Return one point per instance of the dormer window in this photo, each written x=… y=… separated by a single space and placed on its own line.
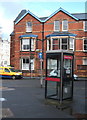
x=28 y=26
x=64 y=25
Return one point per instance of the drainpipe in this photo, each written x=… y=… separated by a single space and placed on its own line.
x=43 y=44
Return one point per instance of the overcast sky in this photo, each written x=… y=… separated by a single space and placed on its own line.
x=10 y=9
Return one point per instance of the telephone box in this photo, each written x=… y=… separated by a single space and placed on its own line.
x=59 y=75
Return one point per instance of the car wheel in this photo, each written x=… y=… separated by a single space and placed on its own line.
x=13 y=77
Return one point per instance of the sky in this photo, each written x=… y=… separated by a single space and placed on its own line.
x=9 y=10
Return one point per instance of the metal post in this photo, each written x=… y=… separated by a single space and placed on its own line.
x=30 y=58
x=61 y=85
x=41 y=80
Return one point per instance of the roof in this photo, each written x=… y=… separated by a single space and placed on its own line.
x=76 y=16
x=20 y=15
x=61 y=34
x=81 y=16
x=12 y=33
x=23 y=14
x=28 y=35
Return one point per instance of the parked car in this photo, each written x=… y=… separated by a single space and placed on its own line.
x=9 y=72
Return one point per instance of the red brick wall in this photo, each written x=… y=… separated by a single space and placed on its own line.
x=74 y=26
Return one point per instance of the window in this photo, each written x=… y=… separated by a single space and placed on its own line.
x=64 y=43
x=56 y=25
x=49 y=44
x=85 y=44
x=71 y=43
x=25 y=44
x=60 y=43
x=28 y=27
x=27 y=64
x=85 y=62
x=6 y=70
x=55 y=44
x=85 y=25
x=32 y=44
x=32 y=64
x=65 y=25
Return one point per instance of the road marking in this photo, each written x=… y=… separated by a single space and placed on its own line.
x=2 y=99
x=6 y=89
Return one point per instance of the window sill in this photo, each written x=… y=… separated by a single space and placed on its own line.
x=28 y=51
x=84 y=50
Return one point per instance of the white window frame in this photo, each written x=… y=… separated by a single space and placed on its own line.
x=28 y=26
x=27 y=43
x=32 y=64
x=84 y=61
x=85 y=25
x=71 y=43
x=27 y=64
x=56 y=25
x=55 y=44
x=65 y=24
x=63 y=43
x=84 y=44
x=32 y=44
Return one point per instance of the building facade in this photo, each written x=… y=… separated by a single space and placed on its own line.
x=4 y=52
x=33 y=35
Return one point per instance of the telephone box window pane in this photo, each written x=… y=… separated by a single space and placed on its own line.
x=53 y=68
x=68 y=67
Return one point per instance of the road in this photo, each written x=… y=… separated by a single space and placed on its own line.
x=25 y=99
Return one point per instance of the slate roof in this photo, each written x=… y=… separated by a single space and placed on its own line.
x=61 y=34
x=20 y=15
x=81 y=16
x=28 y=35
x=77 y=16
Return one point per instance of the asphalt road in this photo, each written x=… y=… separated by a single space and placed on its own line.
x=25 y=99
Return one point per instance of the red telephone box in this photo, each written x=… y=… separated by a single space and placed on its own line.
x=59 y=75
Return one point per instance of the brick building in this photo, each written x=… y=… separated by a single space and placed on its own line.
x=61 y=30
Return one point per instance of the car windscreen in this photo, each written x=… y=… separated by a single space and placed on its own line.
x=12 y=69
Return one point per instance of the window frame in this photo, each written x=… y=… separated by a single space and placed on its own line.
x=64 y=25
x=28 y=43
x=85 y=61
x=84 y=25
x=62 y=44
x=56 y=25
x=71 y=44
x=84 y=44
x=22 y=66
x=28 y=26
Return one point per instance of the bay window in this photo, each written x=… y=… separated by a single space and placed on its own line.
x=25 y=45
x=28 y=44
x=65 y=43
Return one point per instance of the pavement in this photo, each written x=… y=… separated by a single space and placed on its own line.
x=25 y=99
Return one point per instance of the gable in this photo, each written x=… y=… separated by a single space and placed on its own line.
x=24 y=13
x=62 y=10
x=27 y=12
